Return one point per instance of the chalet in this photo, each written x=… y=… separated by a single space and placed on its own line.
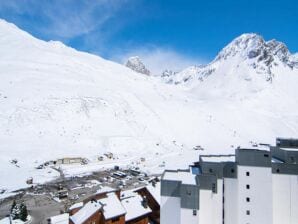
x=105 y=210
x=101 y=193
x=75 y=208
x=89 y=213
x=108 y=205
x=152 y=195
x=59 y=219
x=136 y=206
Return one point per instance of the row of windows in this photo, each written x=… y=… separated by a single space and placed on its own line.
x=247 y=187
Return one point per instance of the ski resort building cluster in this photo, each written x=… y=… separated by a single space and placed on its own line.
x=252 y=186
x=137 y=206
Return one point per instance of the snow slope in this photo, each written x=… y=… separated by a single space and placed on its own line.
x=56 y=102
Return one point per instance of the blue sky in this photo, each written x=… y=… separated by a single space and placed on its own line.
x=165 y=33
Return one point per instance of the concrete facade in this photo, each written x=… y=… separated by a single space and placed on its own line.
x=252 y=186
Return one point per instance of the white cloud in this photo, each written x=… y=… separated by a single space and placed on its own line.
x=159 y=59
x=65 y=18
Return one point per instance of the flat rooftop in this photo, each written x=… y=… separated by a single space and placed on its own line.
x=289 y=149
x=186 y=177
x=218 y=158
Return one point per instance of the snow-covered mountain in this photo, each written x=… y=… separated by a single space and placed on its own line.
x=135 y=64
x=56 y=101
x=295 y=57
x=248 y=51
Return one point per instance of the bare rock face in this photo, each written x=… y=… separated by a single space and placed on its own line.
x=249 y=46
x=135 y=64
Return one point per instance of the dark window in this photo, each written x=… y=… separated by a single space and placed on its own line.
x=194 y=212
x=188 y=193
x=277 y=171
x=232 y=170
x=213 y=187
x=247 y=212
x=210 y=170
x=247 y=173
x=247 y=199
x=247 y=186
x=266 y=155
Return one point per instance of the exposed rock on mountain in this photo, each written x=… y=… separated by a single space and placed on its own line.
x=135 y=64
x=248 y=50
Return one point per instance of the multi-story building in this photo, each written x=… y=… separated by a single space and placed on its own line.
x=253 y=186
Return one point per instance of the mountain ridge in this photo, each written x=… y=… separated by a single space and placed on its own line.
x=262 y=56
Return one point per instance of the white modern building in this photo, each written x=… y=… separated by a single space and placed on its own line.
x=251 y=187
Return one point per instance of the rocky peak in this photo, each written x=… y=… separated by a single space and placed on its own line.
x=168 y=73
x=248 y=52
x=135 y=64
x=249 y=46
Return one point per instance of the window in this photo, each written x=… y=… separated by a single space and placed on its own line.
x=232 y=170
x=247 y=199
x=210 y=170
x=194 y=212
x=247 y=173
x=213 y=187
x=247 y=186
x=277 y=170
x=266 y=155
x=188 y=192
x=247 y=212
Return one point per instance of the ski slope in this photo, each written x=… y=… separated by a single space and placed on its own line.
x=58 y=102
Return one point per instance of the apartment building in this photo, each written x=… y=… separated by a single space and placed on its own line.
x=250 y=187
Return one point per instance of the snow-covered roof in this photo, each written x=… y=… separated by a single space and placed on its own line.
x=218 y=158
x=5 y=221
x=134 y=208
x=112 y=206
x=289 y=149
x=85 y=212
x=60 y=219
x=155 y=191
x=105 y=189
x=76 y=205
x=17 y=221
x=186 y=177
